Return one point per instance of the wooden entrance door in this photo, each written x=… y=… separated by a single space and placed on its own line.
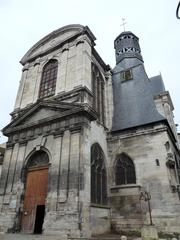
x=35 y=194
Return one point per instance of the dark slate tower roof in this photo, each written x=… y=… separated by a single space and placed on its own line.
x=132 y=89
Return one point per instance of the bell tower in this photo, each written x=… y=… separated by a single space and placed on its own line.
x=131 y=88
x=127 y=46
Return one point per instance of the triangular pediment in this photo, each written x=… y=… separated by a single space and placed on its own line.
x=43 y=112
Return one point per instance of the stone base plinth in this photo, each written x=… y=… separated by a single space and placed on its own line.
x=149 y=233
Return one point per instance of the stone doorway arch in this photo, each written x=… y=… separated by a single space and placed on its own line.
x=36 y=185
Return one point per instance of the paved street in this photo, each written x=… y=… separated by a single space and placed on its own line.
x=28 y=237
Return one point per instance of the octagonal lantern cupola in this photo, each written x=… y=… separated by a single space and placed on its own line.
x=127 y=46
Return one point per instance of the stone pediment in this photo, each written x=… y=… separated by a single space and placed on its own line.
x=42 y=112
x=46 y=111
x=56 y=38
x=40 y=115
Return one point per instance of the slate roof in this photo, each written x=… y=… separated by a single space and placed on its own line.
x=157 y=85
x=133 y=99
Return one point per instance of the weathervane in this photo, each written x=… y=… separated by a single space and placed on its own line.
x=124 y=23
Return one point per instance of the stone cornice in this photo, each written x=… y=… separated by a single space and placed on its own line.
x=62 y=96
x=153 y=128
x=74 y=124
x=75 y=91
x=138 y=131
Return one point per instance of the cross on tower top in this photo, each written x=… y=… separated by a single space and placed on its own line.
x=124 y=23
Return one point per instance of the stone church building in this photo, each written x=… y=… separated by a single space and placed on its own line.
x=88 y=144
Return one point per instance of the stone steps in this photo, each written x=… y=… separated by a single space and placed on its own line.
x=126 y=224
x=56 y=237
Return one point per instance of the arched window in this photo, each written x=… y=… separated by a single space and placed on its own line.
x=124 y=170
x=48 y=80
x=98 y=176
x=98 y=92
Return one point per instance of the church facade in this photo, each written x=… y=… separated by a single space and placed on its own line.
x=89 y=146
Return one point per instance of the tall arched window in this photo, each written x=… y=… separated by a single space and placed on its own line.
x=48 y=80
x=124 y=170
x=98 y=176
x=98 y=92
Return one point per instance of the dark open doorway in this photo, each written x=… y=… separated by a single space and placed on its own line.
x=40 y=211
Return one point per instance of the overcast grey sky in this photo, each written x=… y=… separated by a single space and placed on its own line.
x=23 y=23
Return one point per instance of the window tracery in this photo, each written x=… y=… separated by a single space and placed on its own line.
x=98 y=176
x=124 y=170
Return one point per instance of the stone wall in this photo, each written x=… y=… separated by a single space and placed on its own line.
x=165 y=107
x=144 y=146
x=63 y=184
x=74 y=69
x=100 y=220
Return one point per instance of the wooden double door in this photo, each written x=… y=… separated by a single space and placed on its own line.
x=34 y=201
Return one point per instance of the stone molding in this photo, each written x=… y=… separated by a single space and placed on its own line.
x=70 y=116
x=144 y=130
x=78 y=95
x=125 y=190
